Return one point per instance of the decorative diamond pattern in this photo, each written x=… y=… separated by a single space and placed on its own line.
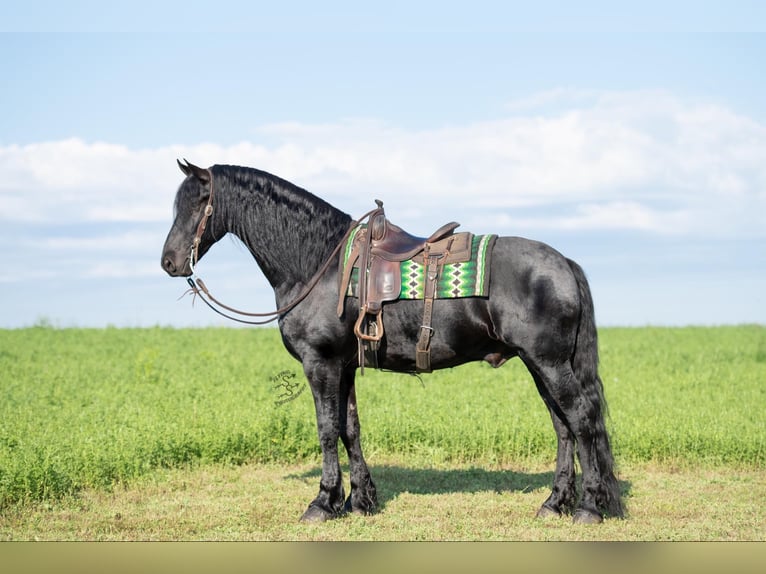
x=464 y=279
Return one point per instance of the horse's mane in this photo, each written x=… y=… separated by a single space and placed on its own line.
x=280 y=222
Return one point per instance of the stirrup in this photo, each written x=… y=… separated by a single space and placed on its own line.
x=378 y=326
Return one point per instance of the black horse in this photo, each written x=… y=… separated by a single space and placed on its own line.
x=539 y=309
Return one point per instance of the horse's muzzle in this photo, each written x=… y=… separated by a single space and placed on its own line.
x=176 y=265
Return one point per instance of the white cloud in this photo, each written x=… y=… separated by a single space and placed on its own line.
x=71 y=180
x=635 y=160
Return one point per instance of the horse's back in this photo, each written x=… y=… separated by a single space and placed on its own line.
x=529 y=266
x=533 y=301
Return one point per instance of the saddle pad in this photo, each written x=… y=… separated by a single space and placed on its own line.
x=464 y=279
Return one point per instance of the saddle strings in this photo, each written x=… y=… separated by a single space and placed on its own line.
x=198 y=287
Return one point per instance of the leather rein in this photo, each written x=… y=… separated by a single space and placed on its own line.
x=198 y=287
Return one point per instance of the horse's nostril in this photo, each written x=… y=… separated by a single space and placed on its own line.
x=168 y=265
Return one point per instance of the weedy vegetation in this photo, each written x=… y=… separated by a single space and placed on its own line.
x=88 y=414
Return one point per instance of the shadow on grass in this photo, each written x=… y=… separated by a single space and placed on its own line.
x=391 y=481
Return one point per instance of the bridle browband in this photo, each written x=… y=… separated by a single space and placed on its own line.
x=198 y=287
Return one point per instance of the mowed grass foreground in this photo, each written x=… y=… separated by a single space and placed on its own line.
x=86 y=410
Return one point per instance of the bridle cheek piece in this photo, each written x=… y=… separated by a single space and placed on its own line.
x=194 y=253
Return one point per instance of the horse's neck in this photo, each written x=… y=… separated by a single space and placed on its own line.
x=290 y=240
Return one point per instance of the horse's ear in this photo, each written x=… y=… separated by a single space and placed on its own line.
x=190 y=169
x=184 y=167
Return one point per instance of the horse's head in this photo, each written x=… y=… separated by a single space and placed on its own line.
x=192 y=200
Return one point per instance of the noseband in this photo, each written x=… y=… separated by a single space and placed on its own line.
x=198 y=287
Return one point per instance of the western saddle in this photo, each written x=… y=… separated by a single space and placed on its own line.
x=378 y=251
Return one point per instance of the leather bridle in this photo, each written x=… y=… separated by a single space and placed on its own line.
x=198 y=287
x=194 y=254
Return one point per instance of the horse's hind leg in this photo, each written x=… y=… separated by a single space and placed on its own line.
x=578 y=408
x=563 y=494
x=363 y=498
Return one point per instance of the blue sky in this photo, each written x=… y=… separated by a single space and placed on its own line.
x=632 y=140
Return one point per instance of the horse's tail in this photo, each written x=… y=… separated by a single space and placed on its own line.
x=585 y=367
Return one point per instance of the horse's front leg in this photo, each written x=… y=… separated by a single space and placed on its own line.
x=325 y=380
x=363 y=498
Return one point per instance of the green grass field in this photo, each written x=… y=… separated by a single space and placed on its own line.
x=96 y=408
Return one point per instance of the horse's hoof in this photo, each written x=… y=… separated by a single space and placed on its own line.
x=582 y=516
x=546 y=512
x=316 y=514
x=348 y=508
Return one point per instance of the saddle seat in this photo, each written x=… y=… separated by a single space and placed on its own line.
x=398 y=245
